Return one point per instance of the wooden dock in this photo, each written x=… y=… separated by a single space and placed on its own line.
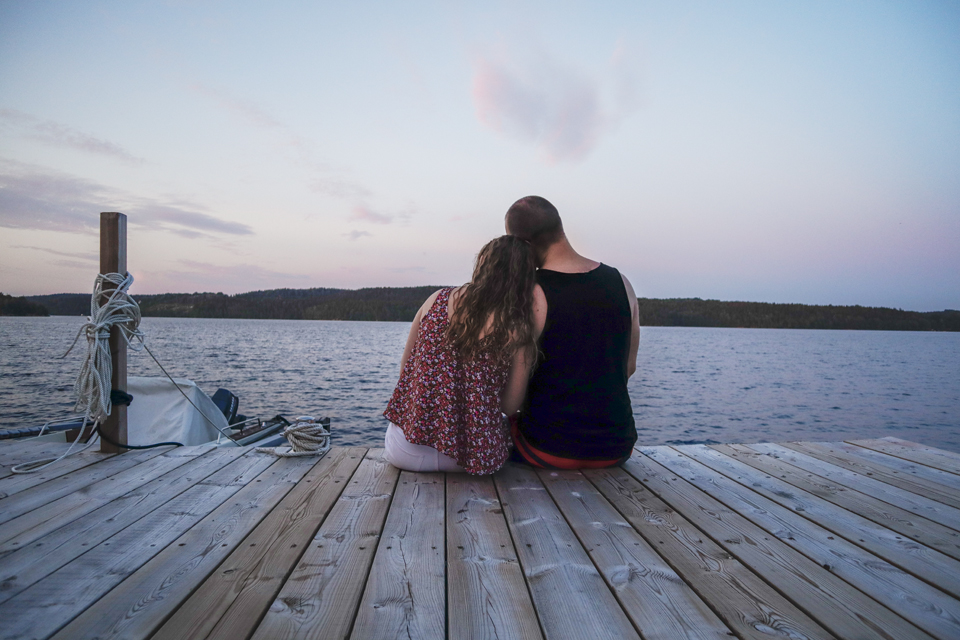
x=798 y=540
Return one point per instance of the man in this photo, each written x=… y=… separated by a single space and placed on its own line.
x=577 y=412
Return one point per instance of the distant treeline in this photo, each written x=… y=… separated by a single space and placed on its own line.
x=11 y=306
x=401 y=304
x=380 y=303
x=694 y=312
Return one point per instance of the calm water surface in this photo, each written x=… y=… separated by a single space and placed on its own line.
x=692 y=385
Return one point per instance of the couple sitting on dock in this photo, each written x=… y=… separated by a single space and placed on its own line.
x=540 y=334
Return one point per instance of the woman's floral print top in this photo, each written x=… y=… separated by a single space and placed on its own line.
x=451 y=405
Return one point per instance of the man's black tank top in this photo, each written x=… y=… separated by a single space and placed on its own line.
x=577 y=405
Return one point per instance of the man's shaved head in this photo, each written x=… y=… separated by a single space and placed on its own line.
x=535 y=220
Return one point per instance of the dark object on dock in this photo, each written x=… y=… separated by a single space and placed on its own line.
x=804 y=540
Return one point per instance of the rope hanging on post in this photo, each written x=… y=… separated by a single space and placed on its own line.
x=92 y=387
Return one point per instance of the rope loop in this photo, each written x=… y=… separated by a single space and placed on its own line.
x=307 y=437
x=92 y=387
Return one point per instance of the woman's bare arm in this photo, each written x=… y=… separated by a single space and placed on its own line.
x=415 y=328
x=511 y=399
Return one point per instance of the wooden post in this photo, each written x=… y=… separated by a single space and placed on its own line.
x=113 y=259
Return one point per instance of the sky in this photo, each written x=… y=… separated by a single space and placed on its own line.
x=758 y=150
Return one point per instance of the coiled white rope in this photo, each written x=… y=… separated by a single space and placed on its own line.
x=92 y=387
x=93 y=384
x=306 y=437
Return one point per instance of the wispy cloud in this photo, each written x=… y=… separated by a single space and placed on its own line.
x=356 y=235
x=36 y=198
x=76 y=255
x=191 y=275
x=325 y=177
x=61 y=135
x=541 y=100
x=247 y=110
x=365 y=213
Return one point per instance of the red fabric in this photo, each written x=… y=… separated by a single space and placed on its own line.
x=544 y=460
x=451 y=405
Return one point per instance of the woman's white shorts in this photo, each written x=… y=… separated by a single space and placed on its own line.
x=414 y=457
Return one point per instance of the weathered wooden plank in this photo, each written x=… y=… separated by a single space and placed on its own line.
x=927 y=532
x=923 y=562
x=660 y=604
x=33 y=492
x=920 y=603
x=742 y=600
x=138 y=605
x=11 y=484
x=900 y=465
x=12 y=454
x=233 y=599
x=321 y=595
x=846 y=612
x=570 y=596
x=21 y=568
x=73 y=588
x=917 y=504
x=487 y=595
x=895 y=471
x=30 y=526
x=930 y=456
x=405 y=596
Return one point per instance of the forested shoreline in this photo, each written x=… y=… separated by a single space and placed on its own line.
x=400 y=304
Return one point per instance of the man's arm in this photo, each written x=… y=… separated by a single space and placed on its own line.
x=634 y=327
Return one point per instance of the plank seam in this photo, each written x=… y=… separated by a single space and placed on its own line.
x=839 y=575
x=373 y=558
x=516 y=552
x=717 y=542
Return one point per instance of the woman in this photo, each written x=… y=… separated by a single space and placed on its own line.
x=467 y=361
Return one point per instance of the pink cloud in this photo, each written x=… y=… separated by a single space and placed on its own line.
x=550 y=104
x=365 y=213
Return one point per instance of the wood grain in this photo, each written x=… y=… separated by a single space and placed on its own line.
x=322 y=593
x=846 y=612
x=894 y=471
x=233 y=599
x=744 y=602
x=570 y=596
x=922 y=604
x=21 y=568
x=405 y=596
x=929 y=456
x=138 y=605
x=72 y=589
x=31 y=491
x=486 y=593
x=925 y=531
x=30 y=526
x=916 y=504
x=660 y=604
x=11 y=484
x=923 y=562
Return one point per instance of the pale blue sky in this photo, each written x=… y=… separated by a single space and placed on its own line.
x=766 y=151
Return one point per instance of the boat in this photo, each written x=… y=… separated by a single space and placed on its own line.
x=176 y=411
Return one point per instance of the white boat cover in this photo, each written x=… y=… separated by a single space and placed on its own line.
x=160 y=413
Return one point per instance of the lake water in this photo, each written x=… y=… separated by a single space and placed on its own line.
x=692 y=385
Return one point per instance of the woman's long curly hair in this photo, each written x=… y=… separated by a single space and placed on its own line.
x=495 y=309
